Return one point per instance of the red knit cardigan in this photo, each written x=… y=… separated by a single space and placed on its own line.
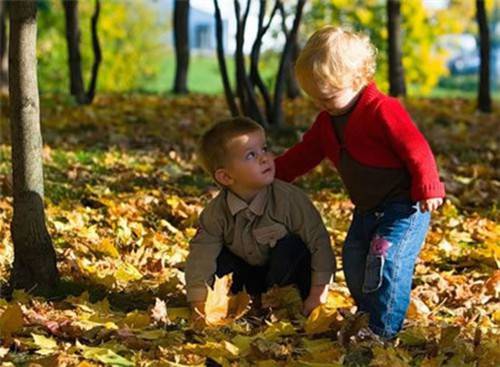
x=379 y=133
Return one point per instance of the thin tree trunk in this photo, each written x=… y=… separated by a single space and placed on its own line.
x=34 y=265
x=77 y=88
x=397 y=85
x=219 y=33
x=284 y=62
x=292 y=85
x=484 y=94
x=97 y=53
x=246 y=93
x=4 y=49
x=181 y=40
x=255 y=77
x=239 y=60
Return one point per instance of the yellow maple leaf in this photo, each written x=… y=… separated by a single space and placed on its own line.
x=107 y=247
x=11 y=320
x=137 y=320
x=324 y=315
x=220 y=307
x=277 y=330
x=127 y=272
x=46 y=345
x=217 y=302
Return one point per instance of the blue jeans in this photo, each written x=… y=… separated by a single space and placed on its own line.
x=379 y=258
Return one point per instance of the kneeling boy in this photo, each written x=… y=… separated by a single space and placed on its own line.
x=263 y=230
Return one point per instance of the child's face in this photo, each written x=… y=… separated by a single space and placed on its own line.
x=250 y=167
x=335 y=101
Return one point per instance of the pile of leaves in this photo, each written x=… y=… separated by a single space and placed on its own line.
x=123 y=192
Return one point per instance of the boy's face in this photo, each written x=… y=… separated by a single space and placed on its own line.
x=250 y=166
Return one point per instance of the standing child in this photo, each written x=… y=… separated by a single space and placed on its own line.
x=385 y=164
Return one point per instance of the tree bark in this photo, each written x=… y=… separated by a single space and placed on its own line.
x=397 y=85
x=292 y=86
x=89 y=96
x=285 y=62
x=255 y=77
x=34 y=265
x=4 y=57
x=219 y=33
x=181 y=40
x=484 y=94
x=77 y=88
x=245 y=90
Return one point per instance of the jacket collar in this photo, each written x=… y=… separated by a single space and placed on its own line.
x=256 y=206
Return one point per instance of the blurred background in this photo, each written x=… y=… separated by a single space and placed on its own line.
x=440 y=43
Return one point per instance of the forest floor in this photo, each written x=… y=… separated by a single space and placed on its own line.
x=123 y=192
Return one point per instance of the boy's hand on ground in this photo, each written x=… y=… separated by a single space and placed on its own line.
x=430 y=204
x=317 y=296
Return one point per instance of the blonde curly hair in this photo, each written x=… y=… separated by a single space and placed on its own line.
x=335 y=58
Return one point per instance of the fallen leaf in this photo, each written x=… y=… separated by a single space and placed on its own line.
x=11 y=320
x=104 y=355
x=325 y=314
x=217 y=301
x=46 y=345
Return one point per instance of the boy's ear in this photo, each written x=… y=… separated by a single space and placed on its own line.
x=223 y=177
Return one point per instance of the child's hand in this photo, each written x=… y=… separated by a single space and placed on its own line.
x=430 y=204
x=317 y=296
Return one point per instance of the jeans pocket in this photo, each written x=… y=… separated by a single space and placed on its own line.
x=373 y=273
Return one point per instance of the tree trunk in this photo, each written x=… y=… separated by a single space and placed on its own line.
x=34 y=265
x=219 y=34
x=77 y=88
x=397 y=85
x=89 y=96
x=255 y=77
x=181 y=40
x=484 y=95
x=245 y=90
x=4 y=58
x=292 y=86
x=285 y=62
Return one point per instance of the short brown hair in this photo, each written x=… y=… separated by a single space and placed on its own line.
x=213 y=145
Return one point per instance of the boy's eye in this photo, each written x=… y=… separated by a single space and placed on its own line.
x=264 y=149
x=250 y=155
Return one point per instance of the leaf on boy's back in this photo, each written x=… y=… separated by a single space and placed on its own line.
x=220 y=307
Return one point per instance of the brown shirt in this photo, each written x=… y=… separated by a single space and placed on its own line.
x=251 y=230
x=368 y=186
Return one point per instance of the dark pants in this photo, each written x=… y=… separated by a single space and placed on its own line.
x=289 y=263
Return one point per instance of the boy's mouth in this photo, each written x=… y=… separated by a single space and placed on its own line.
x=267 y=170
